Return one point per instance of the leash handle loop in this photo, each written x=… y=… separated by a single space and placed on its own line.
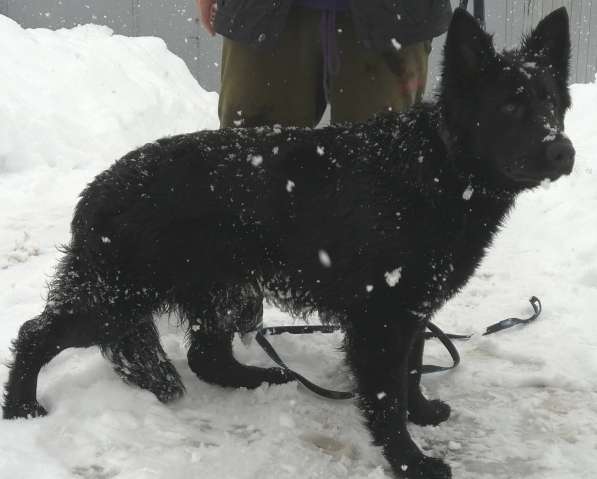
x=271 y=352
x=330 y=393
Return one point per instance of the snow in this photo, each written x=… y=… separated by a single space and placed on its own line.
x=393 y=277
x=468 y=193
x=524 y=401
x=255 y=160
x=396 y=44
x=324 y=258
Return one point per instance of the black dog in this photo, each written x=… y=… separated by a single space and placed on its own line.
x=373 y=224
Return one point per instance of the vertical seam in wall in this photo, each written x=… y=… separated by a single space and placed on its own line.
x=588 y=42
x=134 y=18
x=580 y=27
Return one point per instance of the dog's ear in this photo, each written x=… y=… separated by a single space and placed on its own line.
x=551 y=40
x=469 y=51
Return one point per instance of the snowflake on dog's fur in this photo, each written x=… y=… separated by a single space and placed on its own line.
x=392 y=277
x=255 y=160
x=468 y=193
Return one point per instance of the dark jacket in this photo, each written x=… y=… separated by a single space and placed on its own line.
x=377 y=22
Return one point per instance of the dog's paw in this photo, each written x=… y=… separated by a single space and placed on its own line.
x=277 y=375
x=23 y=410
x=169 y=392
x=424 y=468
x=429 y=413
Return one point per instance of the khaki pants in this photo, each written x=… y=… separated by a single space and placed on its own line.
x=284 y=85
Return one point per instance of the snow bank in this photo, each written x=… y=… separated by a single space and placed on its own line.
x=75 y=98
x=523 y=401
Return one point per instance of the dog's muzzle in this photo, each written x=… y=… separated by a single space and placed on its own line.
x=560 y=157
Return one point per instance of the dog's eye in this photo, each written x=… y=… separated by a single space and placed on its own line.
x=549 y=99
x=546 y=96
x=510 y=108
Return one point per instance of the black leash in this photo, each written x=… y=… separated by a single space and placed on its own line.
x=434 y=332
x=271 y=352
x=478 y=9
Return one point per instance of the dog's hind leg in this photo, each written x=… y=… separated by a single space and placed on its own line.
x=421 y=410
x=85 y=307
x=212 y=326
x=139 y=359
x=38 y=341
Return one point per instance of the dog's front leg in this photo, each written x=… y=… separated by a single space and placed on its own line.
x=421 y=410
x=379 y=343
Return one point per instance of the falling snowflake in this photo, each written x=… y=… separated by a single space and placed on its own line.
x=324 y=258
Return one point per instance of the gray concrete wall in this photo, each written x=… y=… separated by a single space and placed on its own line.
x=176 y=22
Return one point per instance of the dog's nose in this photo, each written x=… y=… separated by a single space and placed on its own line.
x=560 y=156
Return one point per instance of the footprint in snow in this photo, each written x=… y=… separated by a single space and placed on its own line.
x=247 y=432
x=21 y=252
x=329 y=445
x=94 y=471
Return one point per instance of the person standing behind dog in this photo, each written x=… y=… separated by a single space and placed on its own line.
x=284 y=60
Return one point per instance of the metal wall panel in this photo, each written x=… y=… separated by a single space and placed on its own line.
x=508 y=20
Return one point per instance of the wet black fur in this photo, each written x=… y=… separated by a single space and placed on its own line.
x=209 y=223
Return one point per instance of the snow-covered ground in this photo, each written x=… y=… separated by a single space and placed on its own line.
x=524 y=401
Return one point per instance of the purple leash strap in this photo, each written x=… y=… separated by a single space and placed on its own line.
x=329 y=48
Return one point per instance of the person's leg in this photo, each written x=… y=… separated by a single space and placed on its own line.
x=370 y=81
x=262 y=86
